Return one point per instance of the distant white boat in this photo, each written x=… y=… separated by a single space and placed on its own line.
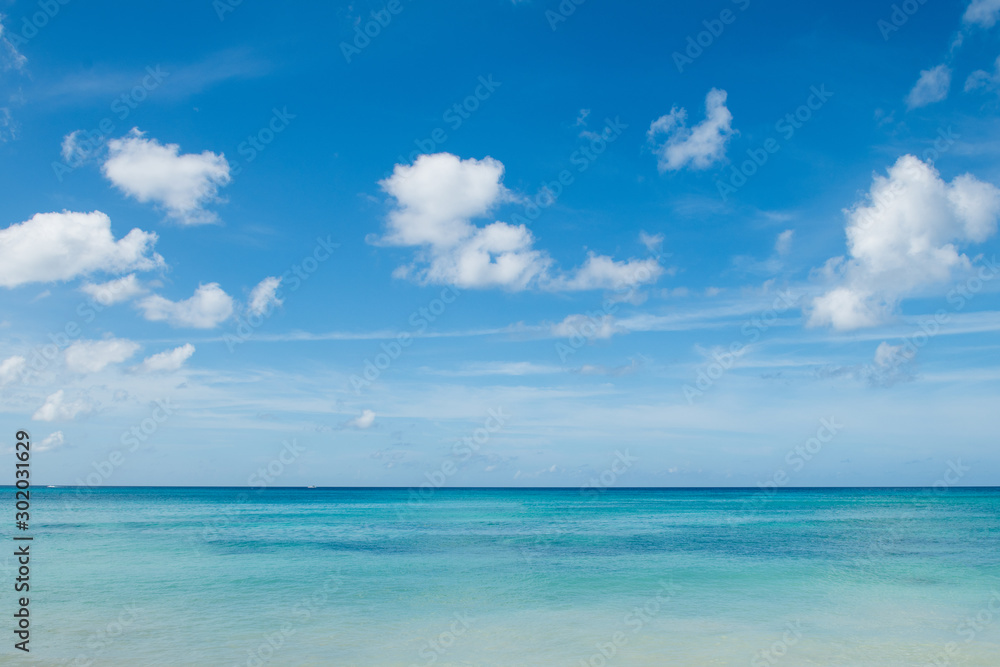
x=311 y=486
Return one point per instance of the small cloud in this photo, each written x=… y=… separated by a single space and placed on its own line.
x=653 y=242
x=932 y=86
x=114 y=291
x=983 y=80
x=362 y=421
x=587 y=327
x=53 y=441
x=783 y=244
x=700 y=146
x=92 y=356
x=264 y=296
x=206 y=309
x=56 y=408
x=11 y=369
x=168 y=360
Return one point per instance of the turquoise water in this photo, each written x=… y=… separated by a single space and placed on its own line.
x=144 y=576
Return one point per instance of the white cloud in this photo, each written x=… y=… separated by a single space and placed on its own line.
x=52 y=441
x=8 y=128
x=587 y=327
x=91 y=356
x=207 y=308
x=114 y=291
x=363 y=421
x=702 y=145
x=264 y=296
x=651 y=241
x=168 y=360
x=62 y=246
x=602 y=272
x=56 y=407
x=12 y=58
x=904 y=237
x=983 y=13
x=11 y=369
x=983 y=79
x=783 y=244
x=932 y=86
x=151 y=171
x=436 y=198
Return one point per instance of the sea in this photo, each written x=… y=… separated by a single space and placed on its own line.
x=372 y=576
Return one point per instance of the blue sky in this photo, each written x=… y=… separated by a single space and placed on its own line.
x=501 y=244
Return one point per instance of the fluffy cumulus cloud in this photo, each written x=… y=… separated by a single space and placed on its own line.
x=436 y=199
x=114 y=291
x=363 y=421
x=264 y=296
x=168 y=360
x=904 y=237
x=11 y=369
x=982 y=13
x=701 y=146
x=57 y=408
x=932 y=86
x=206 y=309
x=149 y=171
x=91 y=356
x=61 y=246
